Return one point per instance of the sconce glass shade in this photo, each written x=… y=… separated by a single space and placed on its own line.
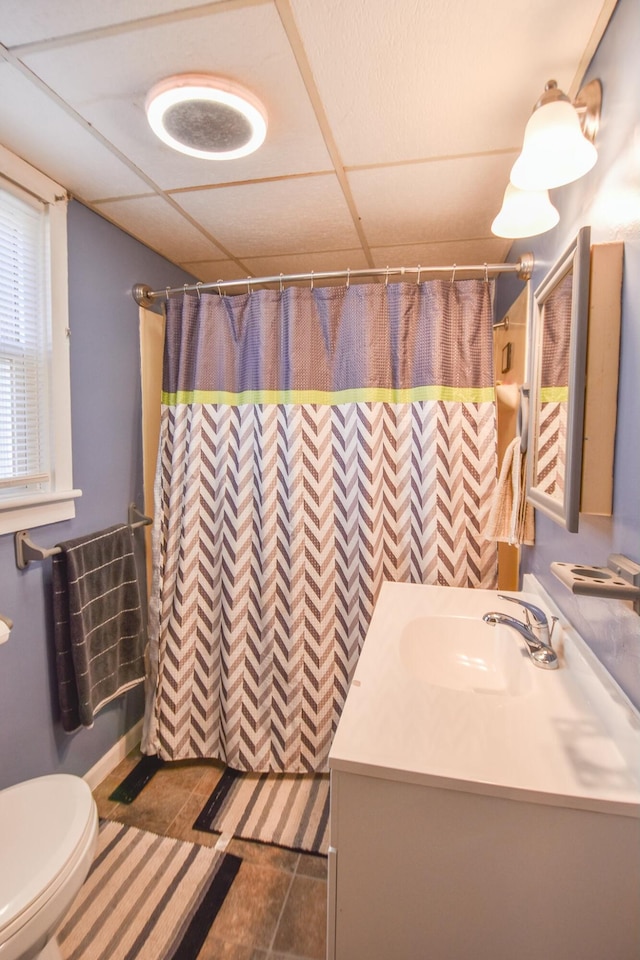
x=206 y=117
x=524 y=213
x=555 y=151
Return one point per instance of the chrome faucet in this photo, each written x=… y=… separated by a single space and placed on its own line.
x=536 y=635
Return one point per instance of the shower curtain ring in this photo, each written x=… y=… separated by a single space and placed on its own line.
x=453 y=274
x=281 y=276
x=486 y=273
x=419 y=272
x=348 y=277
x=249 y=286
x=219 y=292
x=386 y=277
x=166 y=293
x=311 y=287
x=198 y=285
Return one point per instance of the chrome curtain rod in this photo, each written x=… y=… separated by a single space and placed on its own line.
x=145 y=296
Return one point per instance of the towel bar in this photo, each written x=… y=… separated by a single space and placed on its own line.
x=27 y=550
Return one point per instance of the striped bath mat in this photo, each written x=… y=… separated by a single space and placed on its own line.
x=146 y=898
x=289 y=810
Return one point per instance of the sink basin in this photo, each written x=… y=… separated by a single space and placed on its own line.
x=464 y=653
x=440 y=697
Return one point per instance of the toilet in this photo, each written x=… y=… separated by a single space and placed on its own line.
x=48 y=836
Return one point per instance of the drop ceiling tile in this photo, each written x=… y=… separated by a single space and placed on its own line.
x=460 y=252
x=212 y=270
x=420 y=203
x=247 y=45
x=39 y=131
x=155 y=222
x=209 y=271
x=307 y=214
x=56 y=18
x=436 y=77
x=327 y=261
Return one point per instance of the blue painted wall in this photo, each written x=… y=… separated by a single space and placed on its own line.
x=608 y=199
x=104 y=263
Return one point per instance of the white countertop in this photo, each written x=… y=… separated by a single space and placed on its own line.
x=568 y=737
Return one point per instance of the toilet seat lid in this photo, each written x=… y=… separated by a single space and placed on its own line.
x=42 y=823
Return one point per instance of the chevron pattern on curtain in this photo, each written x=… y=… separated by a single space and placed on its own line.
x=279 y=514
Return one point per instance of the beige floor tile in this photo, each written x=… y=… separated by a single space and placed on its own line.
x=302 y=928
x=215 y=949
x=182 y=826
x=312 y=866
x=153 y=810
x=265 y=854
x=249 y=915
x=188 y=774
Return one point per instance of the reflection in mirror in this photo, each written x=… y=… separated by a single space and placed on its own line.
x=553 y=396
x=557 y=376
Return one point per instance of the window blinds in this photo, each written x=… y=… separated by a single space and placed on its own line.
x=24 y=344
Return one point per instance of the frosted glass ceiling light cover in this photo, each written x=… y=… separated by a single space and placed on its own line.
x=555 y=150
x=206 y=117
x=524 y=213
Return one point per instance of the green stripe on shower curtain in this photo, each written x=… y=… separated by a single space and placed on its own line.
x=379 y=395
x=313 y=444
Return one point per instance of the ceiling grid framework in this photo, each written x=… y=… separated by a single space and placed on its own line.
x=393 y=124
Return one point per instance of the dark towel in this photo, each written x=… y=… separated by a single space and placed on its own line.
x=98 y=628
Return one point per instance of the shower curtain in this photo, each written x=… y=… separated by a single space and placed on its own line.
x=314 y=442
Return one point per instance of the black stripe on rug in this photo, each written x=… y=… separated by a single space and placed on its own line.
x=134 y=782
x=146 y=897
x=203 y=919
x=217 y=798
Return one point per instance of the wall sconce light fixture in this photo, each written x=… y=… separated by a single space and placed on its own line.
x=206 y=117
x=524 y=213
x=558 y=141
x=557 y=149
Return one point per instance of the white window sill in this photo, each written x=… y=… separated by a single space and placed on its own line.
x=37 y=510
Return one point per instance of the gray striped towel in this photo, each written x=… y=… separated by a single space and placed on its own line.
x=98 y=630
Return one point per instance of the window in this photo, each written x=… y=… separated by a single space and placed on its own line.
x=35 y=419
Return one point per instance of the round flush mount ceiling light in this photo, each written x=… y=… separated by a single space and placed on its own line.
x=206 y=117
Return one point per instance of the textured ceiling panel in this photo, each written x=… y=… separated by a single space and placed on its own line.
x=162 y=228
x=34 y=127
x=404 y=81
x=422 y=202
x=247 y=45
x=24 y=21
x=279 y=217
x=393 y=124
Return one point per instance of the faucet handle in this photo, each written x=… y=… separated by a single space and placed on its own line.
x=539 y=616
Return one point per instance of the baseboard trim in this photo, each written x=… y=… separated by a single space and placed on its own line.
x=112 y=757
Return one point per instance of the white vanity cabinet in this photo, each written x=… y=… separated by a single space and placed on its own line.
x=493 y=821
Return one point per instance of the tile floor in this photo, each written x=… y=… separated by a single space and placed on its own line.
x=276 y=908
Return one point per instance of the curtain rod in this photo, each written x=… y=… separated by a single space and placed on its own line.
x=145 y=296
